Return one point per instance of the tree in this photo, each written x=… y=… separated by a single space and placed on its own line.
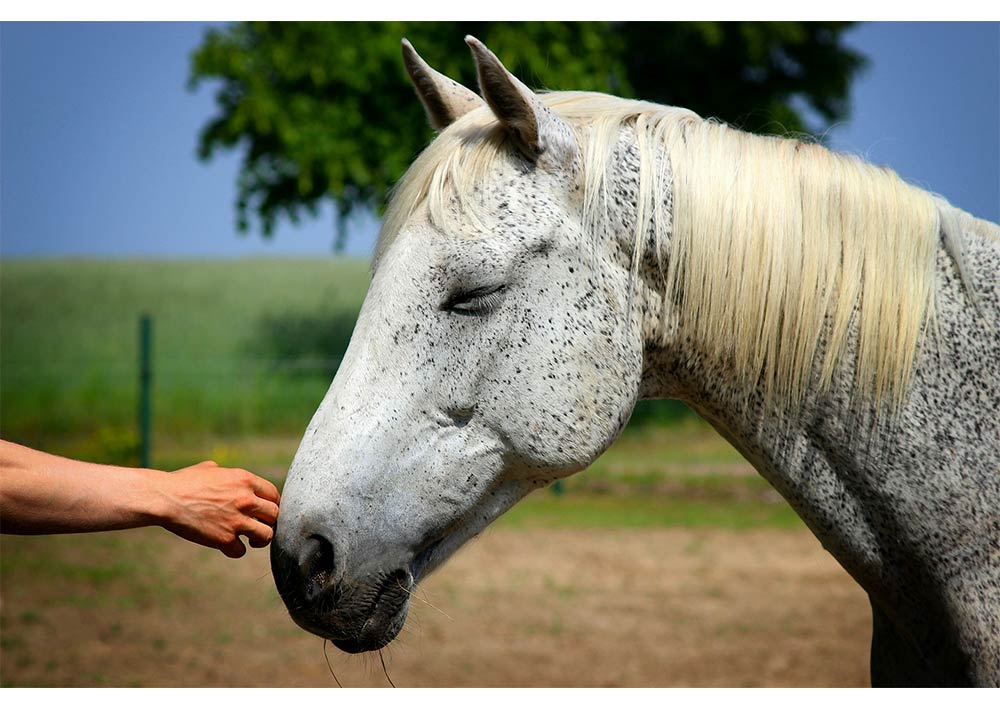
x=325 y=110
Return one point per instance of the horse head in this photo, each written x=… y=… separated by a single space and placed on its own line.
x=494 y=353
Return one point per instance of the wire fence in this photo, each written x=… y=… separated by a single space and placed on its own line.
x=119 y=402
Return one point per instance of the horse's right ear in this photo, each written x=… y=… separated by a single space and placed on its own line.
x=444 y=100
x=541 y=135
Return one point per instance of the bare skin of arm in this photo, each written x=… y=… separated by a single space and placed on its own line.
x=204 y=503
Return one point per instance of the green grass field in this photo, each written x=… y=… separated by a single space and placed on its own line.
x=243 y=353
x=240 y=347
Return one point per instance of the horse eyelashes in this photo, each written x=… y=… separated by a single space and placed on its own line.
x=479 y=301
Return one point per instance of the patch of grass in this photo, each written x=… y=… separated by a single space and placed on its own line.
x=87 y=570
x=560 y=590
x=731 y=629
x=542 y=509
x=684 y=441
x=98 y=574
x=30 y=618
x=695 y=547
x=9 y=642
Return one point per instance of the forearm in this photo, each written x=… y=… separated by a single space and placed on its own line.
x=46 y=494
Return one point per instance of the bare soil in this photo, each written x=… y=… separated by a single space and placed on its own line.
x=518 y=607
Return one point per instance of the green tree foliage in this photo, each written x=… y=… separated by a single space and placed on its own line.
x=325 y=110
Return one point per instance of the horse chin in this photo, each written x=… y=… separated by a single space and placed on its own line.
x=365 y=619
x=378 y=631
x=375 y=633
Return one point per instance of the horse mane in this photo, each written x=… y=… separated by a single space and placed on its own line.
x=773 y=252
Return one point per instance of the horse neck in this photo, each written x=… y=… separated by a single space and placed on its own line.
x=863 y=481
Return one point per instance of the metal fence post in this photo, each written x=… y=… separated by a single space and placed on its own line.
x=145 y=386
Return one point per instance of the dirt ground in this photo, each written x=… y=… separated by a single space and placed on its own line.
x=517 y=607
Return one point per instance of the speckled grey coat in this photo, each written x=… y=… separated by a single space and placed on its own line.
x=485 y=365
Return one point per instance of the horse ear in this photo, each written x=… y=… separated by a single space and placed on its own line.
x=444 y=100
x=542 y=135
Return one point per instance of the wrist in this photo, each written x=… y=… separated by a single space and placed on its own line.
x=154 y=501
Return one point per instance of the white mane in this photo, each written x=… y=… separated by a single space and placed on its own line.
x=775 y=245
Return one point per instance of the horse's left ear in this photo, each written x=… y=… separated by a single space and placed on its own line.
x=444 y=99
x=540 y=133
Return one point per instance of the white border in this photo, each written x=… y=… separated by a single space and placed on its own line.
x=213 y=10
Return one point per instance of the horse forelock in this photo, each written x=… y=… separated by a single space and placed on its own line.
x=776 y=251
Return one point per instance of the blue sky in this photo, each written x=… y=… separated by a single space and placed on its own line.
x=98 y=135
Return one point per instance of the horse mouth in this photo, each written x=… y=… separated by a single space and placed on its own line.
x=382 y=618
x=423 y=559
x=364 y=618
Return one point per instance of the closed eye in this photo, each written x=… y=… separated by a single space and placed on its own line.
x=477 y=301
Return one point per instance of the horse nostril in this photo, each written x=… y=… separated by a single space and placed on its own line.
x=460 y=416
x=318 y=568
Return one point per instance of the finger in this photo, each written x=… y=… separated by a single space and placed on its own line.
x=264 y=510
x=210 y=463
x=258 y=534
x=264 y=488
x=234 y=549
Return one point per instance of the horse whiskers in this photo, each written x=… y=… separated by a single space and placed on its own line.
x=380 y=657
x=424 y=600
x=329 y=666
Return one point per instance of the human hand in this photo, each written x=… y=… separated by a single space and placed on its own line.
x=214 y=506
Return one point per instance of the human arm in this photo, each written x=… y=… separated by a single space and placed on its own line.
x=204 y=503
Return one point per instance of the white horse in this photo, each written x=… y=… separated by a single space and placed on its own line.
x=550 y=259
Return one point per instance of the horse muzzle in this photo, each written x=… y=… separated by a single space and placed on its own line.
x=356 y=614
